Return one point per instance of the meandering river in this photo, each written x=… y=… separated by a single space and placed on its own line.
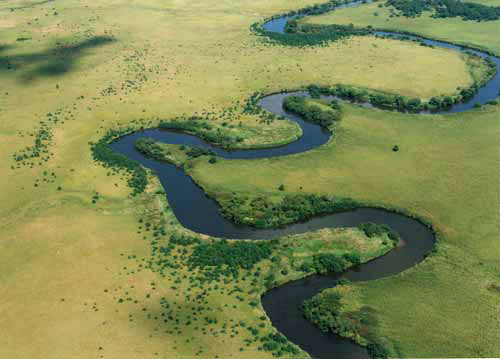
x=200 y=213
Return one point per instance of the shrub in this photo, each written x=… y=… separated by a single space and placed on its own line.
x=375 y=229
x=377 y=350
x=201 y=129
x=447 y=8
x=311 y=112
x=327 y=262
x=262 y=213
x=353 y=258
x=222 y=257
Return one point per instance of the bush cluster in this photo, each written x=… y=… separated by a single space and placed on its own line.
x=202 y=129
x=324 y=310
x=225 y=258
x=447 y=8
x=397 y=102
x=150 y=148
x=310 y=34
x=278 y=344
x=260 y=212
x=307 y=34
x=331 y=263
x=311 y=112
x=376 y=230
x=183 y=240
x=194 y=152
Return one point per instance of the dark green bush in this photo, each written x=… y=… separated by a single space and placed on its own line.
x=447 y=8
x=309 y=34
x=201 y=129
x=353 y=257
x=327 y=263
x=375 y=229
x=222 y=257
x=311 y=112
x=324 y=311
x=260 y=212
x=377 y=350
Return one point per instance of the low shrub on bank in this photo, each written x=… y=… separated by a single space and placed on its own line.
x=446 y=8
x=153 y=149
x=311 y=112
x=225 y=258
x=202 y=129
x=306 y=34
x=103 y=153
x=375 y=230
x=324 y=311
x=278 y=344
x=394 y=102
x=261 y=212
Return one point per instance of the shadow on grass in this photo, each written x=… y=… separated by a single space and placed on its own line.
x=50 y=63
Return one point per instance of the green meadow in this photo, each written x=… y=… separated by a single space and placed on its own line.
x=444 y=173
x=75 y=273
x=482 y=35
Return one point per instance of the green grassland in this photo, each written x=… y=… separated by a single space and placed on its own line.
x=444 y=173
x=478 y=34
x=77 y=69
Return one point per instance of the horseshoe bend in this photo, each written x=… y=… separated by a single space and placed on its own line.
x=250 y=180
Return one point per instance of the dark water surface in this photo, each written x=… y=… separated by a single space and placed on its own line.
x=199 y=213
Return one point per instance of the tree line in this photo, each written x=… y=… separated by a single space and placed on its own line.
x=153 y=149
x=197 y=126
x=331 y=263
x=312 y=112
x=260 y=212
x=395 y=102
x=309 y=34
x=375 y=229
x=447 y=8
x=225 y=258
x=324 y=310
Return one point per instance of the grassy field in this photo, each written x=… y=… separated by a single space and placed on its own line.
x=480 y=34
x=445 y=173
x=80 y=68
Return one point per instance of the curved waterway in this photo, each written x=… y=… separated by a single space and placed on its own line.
x=200 y=213
x=489 y=92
